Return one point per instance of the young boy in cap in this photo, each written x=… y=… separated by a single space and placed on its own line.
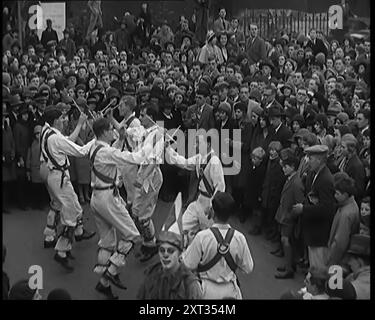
x=216 y=253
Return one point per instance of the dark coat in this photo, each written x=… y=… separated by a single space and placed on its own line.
x=229 y=126
x=291 y=194
x=9 y=155
x=48 y=36
x=256 y=50
x=355 y=169
x=22 y=139
x=282 y=135
x=273 y=184
x=255 y=178
x=258 y=139
x=317 y=219
x=317 y=47
x=206 y=120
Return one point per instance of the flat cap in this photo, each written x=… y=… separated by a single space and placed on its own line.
x=317 y=149
x=221 y=85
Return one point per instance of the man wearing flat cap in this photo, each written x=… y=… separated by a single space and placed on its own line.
x=216 y=253
x=356 y=285
x=352 y=165
x=317 y=216
x=200 y=115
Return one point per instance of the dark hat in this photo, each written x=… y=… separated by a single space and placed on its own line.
x=274 y=112
x=63 y=106
x=334 y=109
x=65 y=31
x=143 y=90
x=97 y=93
x=221 y=85
x=40 y=98
x=15 y=100
x=21 y=291
x=322 y=120
x=23 y=109
x=51 y=43
x=16 y=44
x=317 y=149
x=115 y=71
x=183 y=84
x=39 y=48
x=258 y=110
x=241 y=106
x=266 y=62
x=171 y=238
x=72 y=74
x=210 y=35
x=169 y=43
x=44 y=89
x=81 y=102
x=233 y=82
x=303 y=132
x=156 y=92
x=203 y=90
x=81 y=86
x=187 y=34
x=225 y=106
x=359 y=245
x=287 y=85
x=59 y=294
x=255 y=95
x=222 y=201
x=299 y=118
x=129 y=89
x=149 y=71
x=112 y=93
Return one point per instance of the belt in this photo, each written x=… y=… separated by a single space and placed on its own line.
x=204 y=193
x=114 y=187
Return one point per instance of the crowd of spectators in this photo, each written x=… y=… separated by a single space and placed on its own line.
x=302 y=105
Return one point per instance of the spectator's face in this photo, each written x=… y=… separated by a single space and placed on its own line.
x=339 y=53
x=73 y=67
x=80 y=93
x=329 y=63
x=200 y=100
x=230 y=72
x=344 y=148
x=106 y=81
x=367 y=46
x=238 y=114
x=301 y=96
x=223 y=93
x=288 y=67
x=222 y=13
x=341 y=197
x=312 y=85
x=266 y=70
x=92 y=68
x=168 y=59
x=112 y=63
x=361 y=121
x=244 y=94
x=347 y=60
x=313 y=34
x=72 y=81
x=253 y=30
x=162 y=74
x=18 y=79
x=55 y=93
x=366 y=141
x=223 y=40
x=339 y=66
x=256 y=159
x=268 y=96
x=296 y=126
x=92 y=83
x=332 y=98
x=281 y=60
x=23 y=70
x=297 y=79
x=77 y=60
x=314 y=162
x=81 y=53
x=82 y=73
x=35 y=81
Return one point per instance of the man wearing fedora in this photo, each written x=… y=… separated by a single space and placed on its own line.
x=121 y=36
x=317 y=216
x=357 y=285
x=279 y=131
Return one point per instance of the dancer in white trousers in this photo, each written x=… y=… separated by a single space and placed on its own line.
x=116 y=228
x=55 y=149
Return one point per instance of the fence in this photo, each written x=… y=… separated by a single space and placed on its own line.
x=273 y=21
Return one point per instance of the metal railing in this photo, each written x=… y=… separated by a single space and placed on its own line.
x=272 y=22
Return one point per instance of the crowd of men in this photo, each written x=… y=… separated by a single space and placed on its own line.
x=302 y=105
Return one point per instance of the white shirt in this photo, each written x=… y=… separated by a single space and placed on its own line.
x=108 y=159
x=60 y=147
x=213 y=171
x=204 y=247
x=153 y=147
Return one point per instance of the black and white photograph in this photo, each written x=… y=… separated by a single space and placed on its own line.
x=186 y=150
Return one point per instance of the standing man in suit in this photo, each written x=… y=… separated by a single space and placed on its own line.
x=279 y=131
x=255 y=46
x=200 y=115
x=221 y=24
x=317 y=45
x=318 y=211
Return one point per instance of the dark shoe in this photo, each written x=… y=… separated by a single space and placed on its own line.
x=148 y=253
x=85 y=235
x=70 y=256
x=255 y=231
x=115 y=280
x=284 y=275
x=107 y=291
x=64 y=262
x=49 y=244
x=281 y=268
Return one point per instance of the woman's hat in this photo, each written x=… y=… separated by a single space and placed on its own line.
x=210 y=35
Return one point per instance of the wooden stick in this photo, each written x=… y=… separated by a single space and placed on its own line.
x=171 y=138
x=88 y=124
x=106 y=107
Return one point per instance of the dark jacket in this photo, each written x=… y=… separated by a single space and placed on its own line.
x=282 y=135
x=317 y=219
x=258 y=139
x=9 y=155
x=48 y=36
x=355 y=169
x=317 y=47
x=255 y=178
x=22 y=139
x=206 y=120
x=256 y=50
x=229 y=126
x=273 y=184
x=70 y=48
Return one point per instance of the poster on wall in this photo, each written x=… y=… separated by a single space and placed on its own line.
x=56 y=12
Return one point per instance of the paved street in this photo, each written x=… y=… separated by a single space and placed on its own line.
x=23 y=237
